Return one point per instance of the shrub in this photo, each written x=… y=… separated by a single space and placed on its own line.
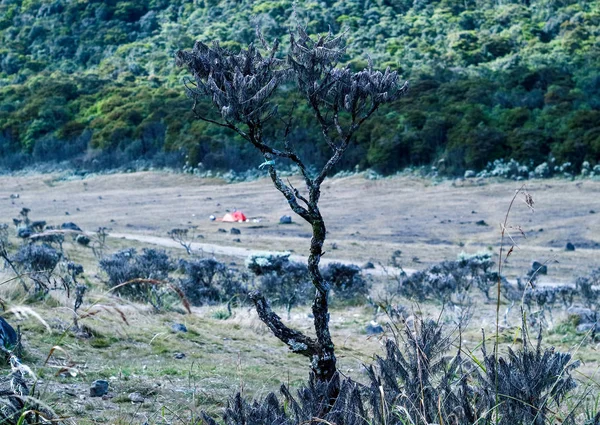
x=282 y=281
x=206 y=281
x=346 y=281
x=525 y=386
x=126 y=265
x=588 y=288
x=36 y=258
x=420 y=384
x=448 y=278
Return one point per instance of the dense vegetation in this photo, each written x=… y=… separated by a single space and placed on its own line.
x=95 y=81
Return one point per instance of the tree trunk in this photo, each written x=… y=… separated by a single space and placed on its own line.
x=324 y=361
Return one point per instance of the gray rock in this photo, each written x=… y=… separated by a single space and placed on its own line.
x=8 y=336
x=469 y=174
x=586 y=327
x=585 y=315
x=179 y=356
x=285 y=219
x=136 y=398
x=368 y=265
x=539 y=268
x=99 y=388
x=23 y=232
x=481 y=223
x=70 y=226
x=82 y=240
x=374 y=328
x=222 y=230
x=235 y=231
x=179 y=327
x=570 y=247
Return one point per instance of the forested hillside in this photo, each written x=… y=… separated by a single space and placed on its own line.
x=95 y=81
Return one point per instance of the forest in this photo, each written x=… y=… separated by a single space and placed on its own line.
x=93 y=84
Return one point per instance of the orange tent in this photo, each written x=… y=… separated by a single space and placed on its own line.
x=234 y=217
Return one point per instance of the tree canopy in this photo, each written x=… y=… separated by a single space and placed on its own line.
x=489 y=80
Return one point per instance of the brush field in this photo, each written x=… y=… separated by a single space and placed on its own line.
x=134 y=348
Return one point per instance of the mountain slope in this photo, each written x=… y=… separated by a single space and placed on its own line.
x=95 y=81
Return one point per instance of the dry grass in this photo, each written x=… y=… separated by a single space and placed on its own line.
x=368 y=221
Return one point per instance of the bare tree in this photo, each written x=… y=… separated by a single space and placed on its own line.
x=241 y=87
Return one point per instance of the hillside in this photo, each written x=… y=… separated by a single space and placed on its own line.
x=94 y=82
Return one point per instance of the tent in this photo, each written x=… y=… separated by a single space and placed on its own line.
x=234 y=217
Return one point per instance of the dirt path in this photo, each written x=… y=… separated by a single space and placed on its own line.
x=234 y=251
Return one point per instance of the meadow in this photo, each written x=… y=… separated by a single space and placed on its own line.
x=398 y=223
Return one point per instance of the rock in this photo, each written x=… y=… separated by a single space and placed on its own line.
x=374 y=328
x=570 y=247
x=212 y=218
x=23 y=232
x=584 y=315
x=222 y=230
x=136 y=398
x=82 y=240
x=586 y=327
x=69 y=225
x=237 y=240
x=179 y=327
x=592 y=212
x=469 y=174
x=99 y=388
x=285 y=219
x=8 y=336
x=235 y=231
x=539 y=268
x=368 y=265
x=481 y=223
x=179 y=356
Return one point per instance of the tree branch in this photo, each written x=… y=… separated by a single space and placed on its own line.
x=290 y=196
x=296 y=341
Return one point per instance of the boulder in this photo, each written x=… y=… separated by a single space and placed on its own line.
x=178 y=327
x=70 y=226
x=8 y=336
x=586 y=327
x=539 y=268
x=24 y=232
x=374 y=328
x=584 y=315
x=99 y=388
x=82 y=240
x=569 y=247
x=136 y=398
x=285 y=219
x=235 y=231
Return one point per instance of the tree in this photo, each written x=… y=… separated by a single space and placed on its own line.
x=241 y=87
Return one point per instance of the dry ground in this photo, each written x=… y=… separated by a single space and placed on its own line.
x=367 y=221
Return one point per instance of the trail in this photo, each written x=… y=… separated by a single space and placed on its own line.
x=235 y=251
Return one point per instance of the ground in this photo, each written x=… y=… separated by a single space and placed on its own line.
x=368 y=220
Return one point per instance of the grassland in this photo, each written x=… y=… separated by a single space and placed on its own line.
x=368 y=220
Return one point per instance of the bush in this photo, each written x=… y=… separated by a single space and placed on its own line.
x=282 y=281
x=525 y=386
x=346 y=281
x=207 y=281
x=422 y=384
x=448 y=278
x=36 y=258
x=127 y=265
x=589 y=288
